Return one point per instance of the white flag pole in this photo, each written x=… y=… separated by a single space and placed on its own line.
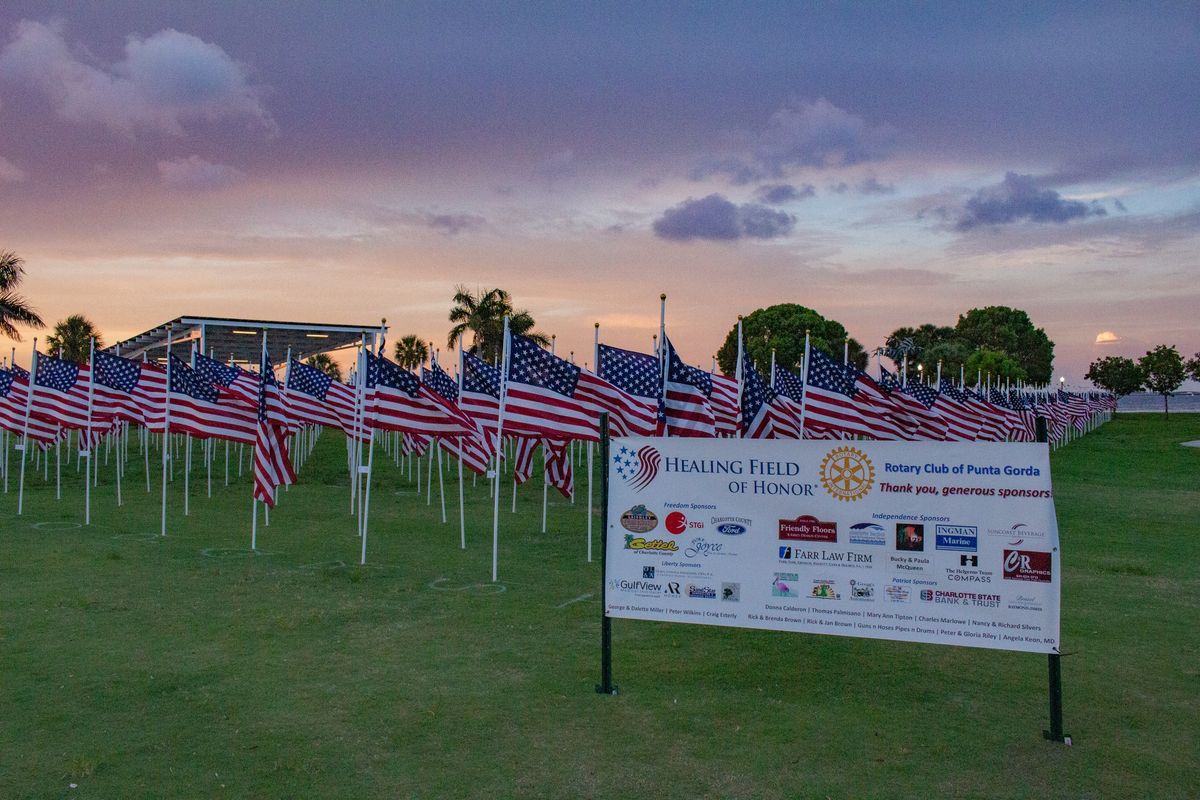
x=804 y=372
x=545 y=457
x=499 y=440
x=87 y=493
x=166 y=440
x=462 y=518
x=739 y=372
x=24 y=446
x=591 y=445
x=660 y=350
x=376 y=344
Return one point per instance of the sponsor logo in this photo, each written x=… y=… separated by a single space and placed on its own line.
x=862 y=591
x=702 y=592
x=677 y=522
x=957 y=537
x=702 y=548
x=731 y=526
x=847 y=474
x=731 y=592
x=806 y=528
x=1027 y=565
x=784 y=584
x=968 y=561
x=639 y=519
x=1025 y=603
x=910 y=536
x=867 y=533
x=824 y=590
x=672 y=588
x=897 y=594
x=648 y=573
x=1017 y=534
x=637 y=468
x=949 y=598
x=834 y=558
x=904 y=563
x=649 y=545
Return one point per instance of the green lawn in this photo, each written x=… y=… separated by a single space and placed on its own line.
x=138 y=666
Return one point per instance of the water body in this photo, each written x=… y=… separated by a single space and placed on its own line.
x=1146 y=401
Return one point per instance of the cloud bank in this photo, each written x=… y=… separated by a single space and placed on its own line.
x=716 y=219
x=1020 y=198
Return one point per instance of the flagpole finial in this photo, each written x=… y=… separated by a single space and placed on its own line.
x=662 y=296
x=739 y=317
x=597 y=324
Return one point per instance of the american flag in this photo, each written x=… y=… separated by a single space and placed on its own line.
x=398 y=401
x=560 y=473
x=830 y=398
x=241 y=383
x=523 y=449
x=414 y=443
x=638 y=376
x=688 y=397
x=480 y=393
x=962 y=422
x=724 y=404
x=473 y=451
x=316 y=398
x=201 y=409
x=760 y=407
x=1014 y=422
x=272 y=467
x=14 y=395
x=887 y=421
x=789 y=393
x=60 y=393
x=994 y=427
x=116 y=381
x=929 y=424
x=542 y=395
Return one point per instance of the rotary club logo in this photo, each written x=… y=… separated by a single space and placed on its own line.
x=847 y=474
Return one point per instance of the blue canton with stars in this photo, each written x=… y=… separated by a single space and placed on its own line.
x=309 y=380
x=755 y=391
x=184 y=380
x=436 y=378
x=381 y=372
x=6 y=382
x=679 y=372
x=825 y=373
x=635 y=373
x=54 y=373
x=528 y=363
x=116 y=372
x=480 y=377
x=788 y=384
x=214 y=371
x=925 y=393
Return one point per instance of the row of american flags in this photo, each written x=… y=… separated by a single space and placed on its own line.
x=533 y=397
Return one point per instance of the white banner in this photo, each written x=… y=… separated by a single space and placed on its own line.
x=945 y=543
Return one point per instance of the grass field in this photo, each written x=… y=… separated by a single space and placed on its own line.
x=136 y=666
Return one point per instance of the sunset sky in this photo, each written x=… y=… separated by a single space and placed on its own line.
x=885 y=164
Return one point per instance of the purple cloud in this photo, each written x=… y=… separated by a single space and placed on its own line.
x=803 y=134
x=162 y=82
x=1018 y=198
x=195 y=174
x=872 y=186
x=779 y=193
x=453 y=224
x=717 y=219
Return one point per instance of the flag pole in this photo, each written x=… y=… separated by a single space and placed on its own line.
x=591 y=445
x=377 y=345
x=739 y=373
x=24 y=446
x=545 y=457
x=87 y=492
x=804 y=372
x=262 y=376
x=166 y=434
x=462 y=518
x=499 y=439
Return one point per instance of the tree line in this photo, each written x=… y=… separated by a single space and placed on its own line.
x=996 y=341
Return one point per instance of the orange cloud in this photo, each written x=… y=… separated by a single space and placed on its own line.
x=1107 y=337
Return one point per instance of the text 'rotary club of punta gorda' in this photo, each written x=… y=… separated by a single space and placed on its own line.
x=941 y=543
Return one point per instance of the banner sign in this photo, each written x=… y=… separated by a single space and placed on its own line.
x=936 y=542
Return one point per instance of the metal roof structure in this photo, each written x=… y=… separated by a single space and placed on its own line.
x=241 y=339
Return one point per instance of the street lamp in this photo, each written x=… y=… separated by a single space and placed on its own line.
x=920 y=373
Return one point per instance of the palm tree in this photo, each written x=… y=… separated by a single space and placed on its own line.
x=411 y=352
x=482 y=313
x=71 y=339
x=14 y=310
x=323 y=362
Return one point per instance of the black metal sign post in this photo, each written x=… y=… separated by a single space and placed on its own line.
x=1055 y=734
x=605 y=686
